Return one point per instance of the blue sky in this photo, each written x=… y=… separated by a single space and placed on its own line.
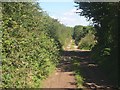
x=64 y=12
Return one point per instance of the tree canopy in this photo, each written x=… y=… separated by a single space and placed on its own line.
x=105 y=20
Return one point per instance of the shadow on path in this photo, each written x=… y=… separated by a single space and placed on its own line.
x=94 y=77
x=64 y=76
x=76 y=53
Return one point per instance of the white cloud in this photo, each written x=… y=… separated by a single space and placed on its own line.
x=53 y=17
x=72 y=12
x=70 y=18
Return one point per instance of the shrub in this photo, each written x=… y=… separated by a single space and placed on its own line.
x=87 y=42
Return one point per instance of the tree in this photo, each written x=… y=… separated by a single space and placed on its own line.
x=105 y=20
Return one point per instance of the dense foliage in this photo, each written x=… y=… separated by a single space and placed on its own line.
x=105 y=19
x=30 y=44
x=59 y=32
x=0 y=44
x=88 y=42
x=84 y=37
x=78 y=33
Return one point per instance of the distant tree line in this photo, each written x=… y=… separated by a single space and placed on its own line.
x=84 y=36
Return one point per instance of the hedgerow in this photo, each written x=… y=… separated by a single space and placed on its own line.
x=29 y=52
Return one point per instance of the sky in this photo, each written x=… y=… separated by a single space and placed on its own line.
x=64 y=12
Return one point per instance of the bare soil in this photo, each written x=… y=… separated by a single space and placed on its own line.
x=63 y=77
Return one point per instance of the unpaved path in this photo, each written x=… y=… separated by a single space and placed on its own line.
x=64 y=77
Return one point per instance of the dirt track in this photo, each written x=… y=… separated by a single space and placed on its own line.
x=64 y=77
